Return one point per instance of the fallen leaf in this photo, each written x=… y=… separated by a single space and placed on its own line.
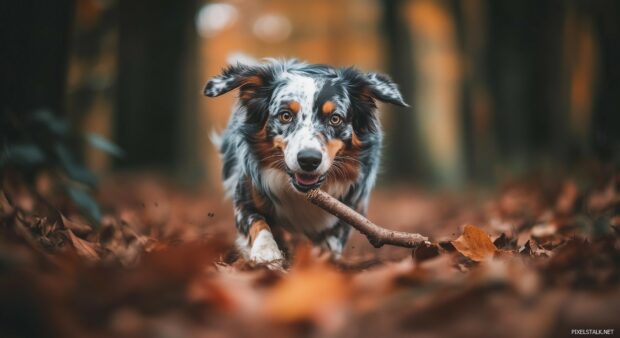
x=5 y=207
x=76 y=226
x=314 y=293
x=475 y=244
x=601 y=200
x=499 y=254
x=83 y=248
x=544 y=230
x=567 y=197
x=533 y=249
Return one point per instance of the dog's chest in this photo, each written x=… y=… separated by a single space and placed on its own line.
x=292 y=210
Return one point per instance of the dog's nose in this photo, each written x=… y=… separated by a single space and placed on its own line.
x=309 y=159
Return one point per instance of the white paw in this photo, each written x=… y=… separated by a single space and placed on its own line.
x=334 y=245
x=265 y=250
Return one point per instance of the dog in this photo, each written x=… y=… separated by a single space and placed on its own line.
x=296 y=127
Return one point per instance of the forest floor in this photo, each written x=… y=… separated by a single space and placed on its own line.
x=539 y=258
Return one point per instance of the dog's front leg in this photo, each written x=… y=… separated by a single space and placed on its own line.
x=255 y=241
x=263 y=247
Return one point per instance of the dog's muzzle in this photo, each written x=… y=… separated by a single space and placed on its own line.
x=308 y=160
x=305 y=182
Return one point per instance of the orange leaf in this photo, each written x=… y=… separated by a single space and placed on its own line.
x=475 y=244
x=83 y=248
x=310 y=293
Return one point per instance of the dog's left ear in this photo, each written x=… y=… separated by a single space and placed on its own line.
x=382 y=88
x=244 y=76
x=364 y=89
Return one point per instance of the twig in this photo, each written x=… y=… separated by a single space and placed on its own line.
x=377 y=236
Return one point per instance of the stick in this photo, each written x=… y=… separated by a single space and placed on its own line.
x=377 y=236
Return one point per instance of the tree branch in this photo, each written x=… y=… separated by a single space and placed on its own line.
x=377 y=236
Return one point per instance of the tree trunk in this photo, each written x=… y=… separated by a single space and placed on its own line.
x=34 y=54
x=152 y=50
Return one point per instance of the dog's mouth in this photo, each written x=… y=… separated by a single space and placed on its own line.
x=306 y=182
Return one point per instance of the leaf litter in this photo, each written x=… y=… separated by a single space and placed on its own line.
x=530 y=260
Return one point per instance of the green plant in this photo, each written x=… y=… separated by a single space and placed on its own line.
x=40 y=141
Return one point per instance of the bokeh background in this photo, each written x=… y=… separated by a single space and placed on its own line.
x=514 y=129
x=497 y=88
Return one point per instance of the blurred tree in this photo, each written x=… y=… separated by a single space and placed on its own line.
x=34 y=136
x=437 y=78
x=402 y=138
x=93 y=72
x=606 y=120
x=512 y=56
x=542 y=61
x=36 y=37
x=514 y=85
x=471 y=18
x=154 y=45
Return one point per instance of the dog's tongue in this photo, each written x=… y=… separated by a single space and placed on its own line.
x=305 y=179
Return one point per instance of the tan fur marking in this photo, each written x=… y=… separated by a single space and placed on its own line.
x=279 y=142
x=355 y=141
x=294 y=106
x=367 y=94
x=249 y=87
x=269 y=152
x=328 y=107
x=255 y=228
x=261 y=203
x=253 y=80
x=347 y=167
x=333 y=147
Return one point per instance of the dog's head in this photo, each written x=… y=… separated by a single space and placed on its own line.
x=311 y=121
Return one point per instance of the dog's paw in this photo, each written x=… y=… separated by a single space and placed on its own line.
x=330 y=249
x=265 y=251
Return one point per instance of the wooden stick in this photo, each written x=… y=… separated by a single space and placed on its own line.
x=377 y=236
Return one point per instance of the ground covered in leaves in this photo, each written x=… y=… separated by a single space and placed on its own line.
x=534 y=258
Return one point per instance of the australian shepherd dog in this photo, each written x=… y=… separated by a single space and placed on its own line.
x=296 y=127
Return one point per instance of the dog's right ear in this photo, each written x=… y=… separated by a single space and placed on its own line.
x=244 y=76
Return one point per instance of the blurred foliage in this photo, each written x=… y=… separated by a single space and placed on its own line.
x=40 y=142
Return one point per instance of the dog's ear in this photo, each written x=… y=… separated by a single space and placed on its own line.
x=382 y=88
x=364 y=89
x=252 y=81
x=247 y=77
x=371 y=86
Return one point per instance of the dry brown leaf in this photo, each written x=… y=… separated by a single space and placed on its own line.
x=604 y=199
x=544 y=230
x=475 y=244
x=5 y=207
x=83 y=248
x=567 y=197
x=76 y=226
x=312 y=293
x=533 y=249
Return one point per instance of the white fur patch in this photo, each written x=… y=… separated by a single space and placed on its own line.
x=265 y=249
x=242 y=246
x=334 y=245
x=301 y=89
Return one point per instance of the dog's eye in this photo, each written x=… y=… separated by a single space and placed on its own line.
x=335 y=120
x=285 y=116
